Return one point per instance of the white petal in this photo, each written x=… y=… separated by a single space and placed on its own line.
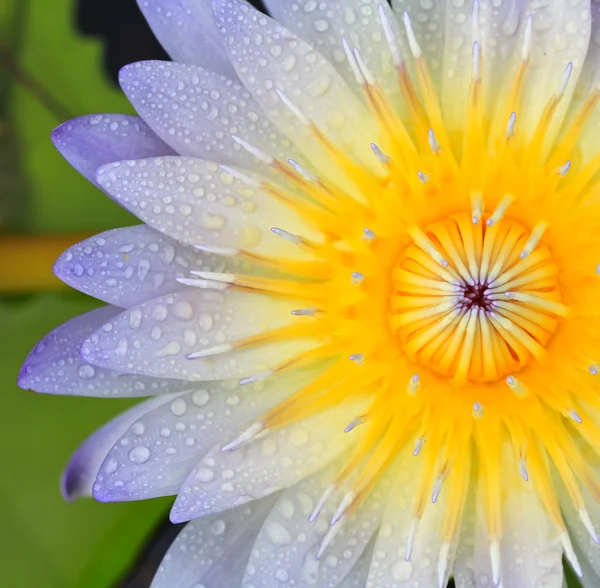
x=561 y=35
x=325 y=23
x=196 y=202
x=212 y=551
x=357 y=578
x=155 y=338
x=530 y=550
x=501 y=39
x=288 y=544
x=196 y=111
x=55 y=365
x=154 y=456
x=80 y=473
x=588 y=551
x=186 y=29
x=389 y=568
x=589 y=144
x=268 y=58
x=428 y=19
x=276 y=461
x=131 y=265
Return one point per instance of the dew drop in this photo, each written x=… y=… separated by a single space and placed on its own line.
x=86 y=371
x=278 y=534
x=217 y=527
x=139 y=454
x=178 y=407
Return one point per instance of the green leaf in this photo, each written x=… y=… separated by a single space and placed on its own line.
x=46 y=541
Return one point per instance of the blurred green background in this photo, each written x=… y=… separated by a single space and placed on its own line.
x=49 y=71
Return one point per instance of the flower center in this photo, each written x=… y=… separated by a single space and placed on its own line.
x=475 y=301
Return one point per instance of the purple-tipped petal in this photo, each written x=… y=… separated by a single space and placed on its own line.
x=225 y=479
x=196 y=112
x=186 y=29
x=212 y=552
x=131 y=265
x=91 y=141
x=55 y=365
x=196 y=320
x=154 y=457
x=195 y=202
x=80 y=473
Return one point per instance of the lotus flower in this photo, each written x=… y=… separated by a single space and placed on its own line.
x=363 y=299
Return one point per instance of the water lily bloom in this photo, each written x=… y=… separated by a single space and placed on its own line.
x=363 y=299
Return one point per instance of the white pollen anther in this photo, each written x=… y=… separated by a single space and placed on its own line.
x=443 y=564
x=321 y=502
x=329 y=536
x=476 y=66
x=523 y=469
x=570 y=553
x=254 y=150
x=293 y=108
x=564 y=81
x=424 y=242
x=347 y=500
x=238 y=175
x=563 y=170
x=304 y=312
x=305 y=173
x=381 y=156
x=412 y=39
x=510 y=126
x=350 y=56
x=204 y=284
x=367 y=73
x=534 y=239
x=437 y=488
x=475 y=28
x=390 y=37
x=500 y=210
x=433 y=143
x=369 y=235
x=418 y=446
x=477 y=410
x=423 y=178
x=216 y=250
x=495 y=561
x=355 y=422
x=210 y=351
x=414 y=385
x=587 y=523
x=357 y=278
x=527 y=39
x=575 y=416
x=295 y=239
x=215 y=276
x=516 y=386
x=412 y=533
x=476 y=207
x=256 y=378
x=357 y=358
x=248 y=435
